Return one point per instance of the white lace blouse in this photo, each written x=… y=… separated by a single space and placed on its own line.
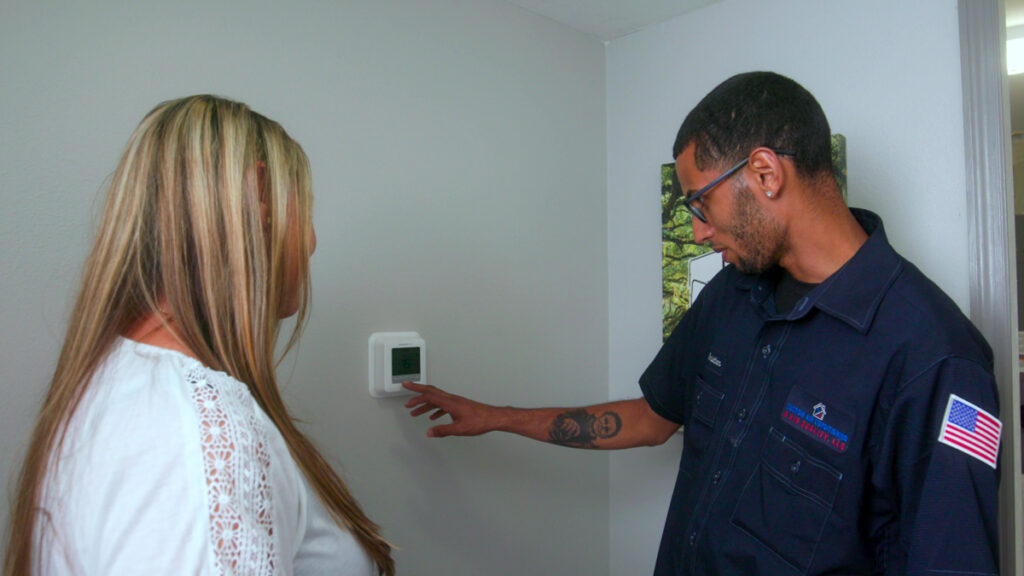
x=169 y=467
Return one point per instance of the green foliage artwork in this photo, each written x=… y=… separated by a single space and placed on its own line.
x=687 y=265
x=677 y=248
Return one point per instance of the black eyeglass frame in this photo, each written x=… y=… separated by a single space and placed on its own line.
x=688 y=201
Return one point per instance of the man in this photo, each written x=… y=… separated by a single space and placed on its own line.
x=839 y=411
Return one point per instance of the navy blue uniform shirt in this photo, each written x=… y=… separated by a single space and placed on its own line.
x=811 y=440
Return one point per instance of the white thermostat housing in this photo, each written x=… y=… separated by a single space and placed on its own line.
x=396 y=357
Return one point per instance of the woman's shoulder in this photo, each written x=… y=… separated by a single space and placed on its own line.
x=153 y=400
x=150 y=394
x=147 y=408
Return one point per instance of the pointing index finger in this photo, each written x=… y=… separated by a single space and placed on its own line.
x=415 y=387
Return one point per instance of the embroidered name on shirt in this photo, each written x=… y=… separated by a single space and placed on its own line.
x=714 y=360
x=826 y=424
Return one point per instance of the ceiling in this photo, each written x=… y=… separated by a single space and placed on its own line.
x=611 y=19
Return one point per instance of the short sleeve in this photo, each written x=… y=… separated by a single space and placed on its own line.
x=664 y=382
x=946 y=488
x=236 y=466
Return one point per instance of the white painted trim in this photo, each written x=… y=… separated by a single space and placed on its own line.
x=993 y=305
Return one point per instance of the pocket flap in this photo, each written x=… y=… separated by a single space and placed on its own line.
x=707 y=402
x=803 y=472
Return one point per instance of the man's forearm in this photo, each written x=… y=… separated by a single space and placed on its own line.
x=610 y=426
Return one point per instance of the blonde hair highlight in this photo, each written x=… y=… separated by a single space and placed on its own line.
x=185 y=224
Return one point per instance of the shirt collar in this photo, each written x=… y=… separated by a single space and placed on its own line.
x=853 y=293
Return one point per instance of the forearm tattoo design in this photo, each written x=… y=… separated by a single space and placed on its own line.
x=580 y=429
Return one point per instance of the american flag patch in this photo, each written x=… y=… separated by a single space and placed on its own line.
x=971 y=430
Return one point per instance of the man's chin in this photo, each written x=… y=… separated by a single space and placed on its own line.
x=745 y=266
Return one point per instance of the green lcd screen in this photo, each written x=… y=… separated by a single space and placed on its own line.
x=405 y=361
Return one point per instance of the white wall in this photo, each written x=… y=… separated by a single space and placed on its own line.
x=458 y=158
x=888 y=77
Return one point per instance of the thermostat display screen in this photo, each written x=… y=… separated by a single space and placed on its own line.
x=395 y=357
x=405 y=361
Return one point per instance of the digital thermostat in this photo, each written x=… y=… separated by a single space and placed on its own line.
x=396 y=357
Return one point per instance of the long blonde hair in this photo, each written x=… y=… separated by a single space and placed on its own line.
x=186 y=225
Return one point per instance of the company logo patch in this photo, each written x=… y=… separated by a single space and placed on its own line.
x=826 y=424
x=714 y=360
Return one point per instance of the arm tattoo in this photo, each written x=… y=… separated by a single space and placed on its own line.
x=580 y=429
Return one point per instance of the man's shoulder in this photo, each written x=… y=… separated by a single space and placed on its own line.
x=927 y=319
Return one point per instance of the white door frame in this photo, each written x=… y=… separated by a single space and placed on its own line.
x=993 y=294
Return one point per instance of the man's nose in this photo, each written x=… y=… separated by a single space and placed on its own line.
x=702 y=231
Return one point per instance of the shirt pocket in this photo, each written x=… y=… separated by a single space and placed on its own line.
x=706 y=402
x=787 y=500
x=698 y=433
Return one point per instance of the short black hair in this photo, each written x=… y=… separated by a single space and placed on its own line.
x=757 y=109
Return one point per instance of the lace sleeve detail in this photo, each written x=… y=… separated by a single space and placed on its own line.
x=236 y=461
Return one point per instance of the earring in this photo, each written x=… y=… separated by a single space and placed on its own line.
x=769 y=193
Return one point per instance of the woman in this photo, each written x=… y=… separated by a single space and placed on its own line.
x=163 y=444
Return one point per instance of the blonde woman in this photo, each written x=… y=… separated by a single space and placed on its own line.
x=163 y=445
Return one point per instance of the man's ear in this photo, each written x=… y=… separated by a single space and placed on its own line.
x=770 y=175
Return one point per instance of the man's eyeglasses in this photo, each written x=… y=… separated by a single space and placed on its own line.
x=688 y=202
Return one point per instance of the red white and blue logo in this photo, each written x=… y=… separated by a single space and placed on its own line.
x=971 y=430
x=826 y=424
x=820 y=411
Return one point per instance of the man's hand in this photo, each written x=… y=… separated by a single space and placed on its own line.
x=469 y=418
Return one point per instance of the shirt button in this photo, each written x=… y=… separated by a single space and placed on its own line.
x=693 y=538
x=742 y=414
x=766 y=350
x=717 y=476
x=795 y=466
